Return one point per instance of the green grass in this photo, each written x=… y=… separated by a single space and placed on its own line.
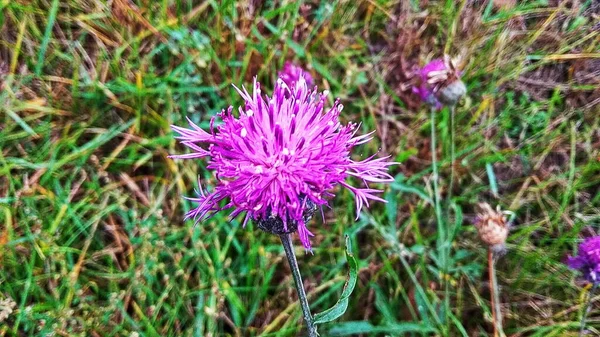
x=92 y=237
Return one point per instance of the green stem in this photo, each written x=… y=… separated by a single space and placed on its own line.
x=450 y=188
x=436 y=189
x=587 y=309
x=443 y=243
x=291 y=257
x=452 y=156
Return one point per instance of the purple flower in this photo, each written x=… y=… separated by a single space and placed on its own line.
x=280 y=158
x=588 y=260
x=291 y=73
x=439 y=83
x=425 y=90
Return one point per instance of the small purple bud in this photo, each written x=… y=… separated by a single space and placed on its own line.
x=588 y=260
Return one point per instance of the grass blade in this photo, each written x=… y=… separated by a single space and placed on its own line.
x=47 y=35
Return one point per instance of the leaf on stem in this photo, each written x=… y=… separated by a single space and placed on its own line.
x=342 y=304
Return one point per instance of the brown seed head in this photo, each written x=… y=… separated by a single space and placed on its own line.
x=491 y=225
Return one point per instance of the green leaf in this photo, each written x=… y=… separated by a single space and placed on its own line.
x=391 y=207
x=21 y=122
x=406 y=154
x=458 y=220
x=298 y=49
x=401 y=186
x=324 y=71
x=358 y=327
x=47 y=35
x=492 y=177
x=381 y=303
x=342 y=304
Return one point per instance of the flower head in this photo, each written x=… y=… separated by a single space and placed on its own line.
x=280 y=158
x=588 y=259
x=439 y=83
x=492 y=226
x=291 y=73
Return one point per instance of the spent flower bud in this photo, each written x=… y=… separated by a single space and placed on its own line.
x=440 y=83
x=492 y=226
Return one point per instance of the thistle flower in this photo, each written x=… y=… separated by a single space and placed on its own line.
x=280 y=159
x=492 y=226
x=439 y=83
x=588 y=259
x=292 y=73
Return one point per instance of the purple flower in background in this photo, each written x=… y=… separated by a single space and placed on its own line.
x=280 y=159
x=439 y=83
x=291 y=74
x=588 y=259
x=424 y=90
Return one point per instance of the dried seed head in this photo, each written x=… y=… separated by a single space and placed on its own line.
x=492 y=226
x=452 y=93
x=439 y=83
x=6 y=308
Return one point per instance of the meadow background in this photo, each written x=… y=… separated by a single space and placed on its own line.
x=92 y=237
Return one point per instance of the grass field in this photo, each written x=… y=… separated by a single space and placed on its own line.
x=92 y=236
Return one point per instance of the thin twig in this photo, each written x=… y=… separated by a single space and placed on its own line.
x=495 y=296
x=491 y=279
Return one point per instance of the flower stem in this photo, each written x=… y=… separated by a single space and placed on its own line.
x=442 y=243
x=291 y=257
x=587 y=309
x=452 y=155
x=495 y=295
x=436 y=190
